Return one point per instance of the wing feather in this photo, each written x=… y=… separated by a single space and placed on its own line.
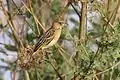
x=44 y=39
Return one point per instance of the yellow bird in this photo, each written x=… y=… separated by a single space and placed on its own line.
x=50 y=37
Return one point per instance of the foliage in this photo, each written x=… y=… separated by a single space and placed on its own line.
x=100 y=62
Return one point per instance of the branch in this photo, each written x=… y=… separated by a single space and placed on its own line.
x=35 y=17
x=75 y=10
x=12 y=27
x=83 y=22
x=54 y=69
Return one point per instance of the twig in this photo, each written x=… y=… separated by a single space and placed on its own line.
x=115 y=12
x=105 y=70
x=92 y=61
x=31 y=9
x=108 y=8
x=17 y=7
x=64 y=54
x=26 y=75
x=20 y=11
x=35 y=17
x=82 y=18
x=11 y=25
x=112 y=27
x=82 y=21
x=75 y=10
x=14 y=75
x=55 y=69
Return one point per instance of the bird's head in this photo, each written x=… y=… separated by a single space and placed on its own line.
x=58 y=24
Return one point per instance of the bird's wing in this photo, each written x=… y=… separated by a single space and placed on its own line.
x=44 y=39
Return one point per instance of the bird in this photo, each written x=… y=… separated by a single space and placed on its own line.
x=50 y=37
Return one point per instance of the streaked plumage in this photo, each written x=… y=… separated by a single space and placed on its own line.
x=50 y=37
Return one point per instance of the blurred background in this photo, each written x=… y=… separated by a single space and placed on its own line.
x=97 y=58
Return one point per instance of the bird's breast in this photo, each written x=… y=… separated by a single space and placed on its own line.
x=57 y=34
